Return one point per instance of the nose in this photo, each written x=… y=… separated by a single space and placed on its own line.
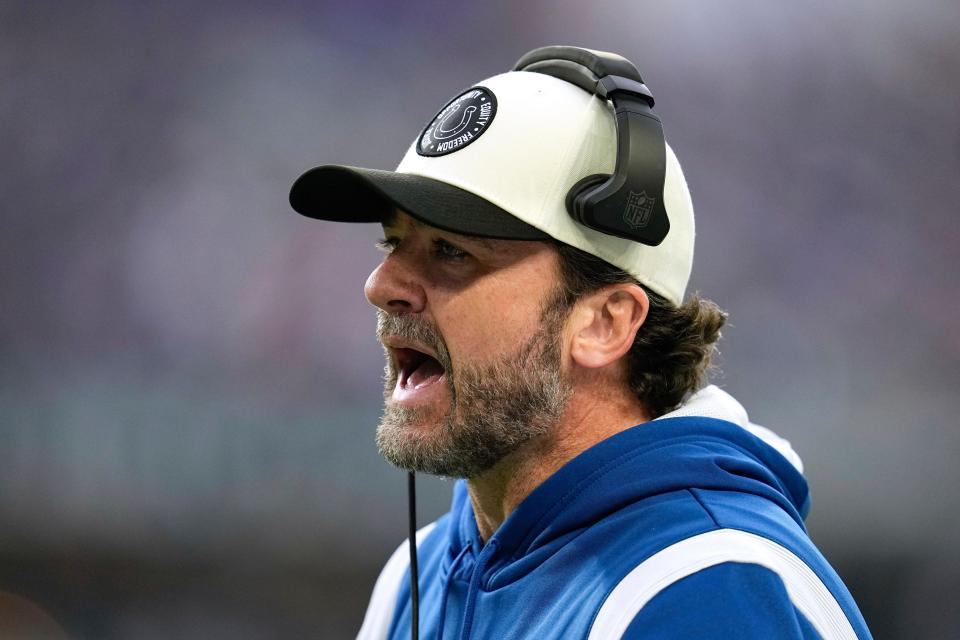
x=394 y=287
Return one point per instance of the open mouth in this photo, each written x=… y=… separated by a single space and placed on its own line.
x=416 y=369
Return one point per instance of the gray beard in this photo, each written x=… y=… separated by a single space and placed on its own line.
x=494 y=409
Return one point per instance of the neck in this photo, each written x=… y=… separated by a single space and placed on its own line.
x=496 y=493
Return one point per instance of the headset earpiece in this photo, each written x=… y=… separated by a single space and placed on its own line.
x=583 y=186
x=629 y=203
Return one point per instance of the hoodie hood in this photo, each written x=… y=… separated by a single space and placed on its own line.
x=689 y=522
x=708 y=443
x=712 y=402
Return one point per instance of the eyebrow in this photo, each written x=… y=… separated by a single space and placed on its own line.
x=486 y=243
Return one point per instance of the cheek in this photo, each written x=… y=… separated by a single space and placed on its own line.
x=488 y=328
x=492 y=315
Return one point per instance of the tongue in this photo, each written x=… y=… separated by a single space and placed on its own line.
x=428 y=371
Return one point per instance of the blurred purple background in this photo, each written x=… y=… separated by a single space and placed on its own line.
x=188 y=376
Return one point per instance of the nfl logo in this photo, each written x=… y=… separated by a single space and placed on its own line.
x=638 y=210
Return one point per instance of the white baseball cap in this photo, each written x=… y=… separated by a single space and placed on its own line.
x=498 y=161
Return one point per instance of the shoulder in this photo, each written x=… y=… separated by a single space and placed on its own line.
x=736 y=600
x=383 y=600
x=723 y=582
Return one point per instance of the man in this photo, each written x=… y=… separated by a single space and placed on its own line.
x=539 y=348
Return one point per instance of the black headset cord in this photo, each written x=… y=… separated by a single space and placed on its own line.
x=414 y=589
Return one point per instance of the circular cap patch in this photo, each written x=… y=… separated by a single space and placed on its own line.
x=462 y=121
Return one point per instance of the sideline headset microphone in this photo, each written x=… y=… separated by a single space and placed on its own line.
x=627 y=204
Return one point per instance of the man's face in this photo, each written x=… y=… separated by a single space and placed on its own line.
x=472 y=331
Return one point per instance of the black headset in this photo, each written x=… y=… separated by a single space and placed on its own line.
x=629 y=203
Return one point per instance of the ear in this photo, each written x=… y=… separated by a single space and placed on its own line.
x=605 y=324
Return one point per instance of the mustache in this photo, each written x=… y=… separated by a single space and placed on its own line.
x=414 y=327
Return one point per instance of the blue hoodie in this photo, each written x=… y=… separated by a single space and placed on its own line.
x=687 y=526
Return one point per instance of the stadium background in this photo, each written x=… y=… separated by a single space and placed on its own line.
x=188 y=375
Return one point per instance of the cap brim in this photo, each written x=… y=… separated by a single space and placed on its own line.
x=354 y=194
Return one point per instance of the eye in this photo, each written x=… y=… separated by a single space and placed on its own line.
x=388 y=245
x=446 y=251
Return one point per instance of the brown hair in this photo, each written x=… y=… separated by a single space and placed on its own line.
x=670 y=356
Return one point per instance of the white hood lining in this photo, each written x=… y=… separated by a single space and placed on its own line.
x=714 y=402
